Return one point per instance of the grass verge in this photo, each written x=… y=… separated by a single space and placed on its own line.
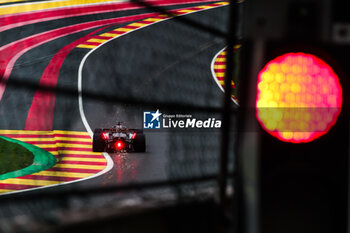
x=13 y=157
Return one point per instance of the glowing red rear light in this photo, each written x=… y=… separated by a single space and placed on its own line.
x=104 y=135
x=133 y=136
x=299 y=97
x=119 y=145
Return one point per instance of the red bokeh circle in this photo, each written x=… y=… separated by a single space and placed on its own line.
x=299 y=97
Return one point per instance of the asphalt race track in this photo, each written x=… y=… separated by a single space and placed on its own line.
x=166 y=62
x=155 y=65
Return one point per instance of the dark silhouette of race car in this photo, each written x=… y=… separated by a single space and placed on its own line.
x=119 y=139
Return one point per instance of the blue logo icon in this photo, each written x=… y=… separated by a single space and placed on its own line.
x=151 y=120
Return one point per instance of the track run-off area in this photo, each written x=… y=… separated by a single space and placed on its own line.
x=74 y=159
x=42 y=46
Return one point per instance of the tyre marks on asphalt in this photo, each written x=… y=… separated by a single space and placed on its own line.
x=105 y=37
x=10 y=53
x=75 y=160
x=9 y=21
x=41 y=112
x=73 y=151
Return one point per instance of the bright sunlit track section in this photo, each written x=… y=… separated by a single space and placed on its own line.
x=9 y=21
x=73 y=151
x=34 y=6
x=299 y=97
x=10 y=1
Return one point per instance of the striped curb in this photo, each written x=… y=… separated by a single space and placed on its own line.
x=98 y=40
x=219 y=69
x=74 y=156
x=43 y=5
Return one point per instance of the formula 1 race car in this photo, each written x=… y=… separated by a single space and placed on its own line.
x=118 y=139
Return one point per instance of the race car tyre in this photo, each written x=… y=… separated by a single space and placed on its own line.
x=140 y=143
x=98 y=144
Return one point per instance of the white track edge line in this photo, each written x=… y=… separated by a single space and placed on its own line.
x=214 y=75
x=97 y=47
x=110 y=163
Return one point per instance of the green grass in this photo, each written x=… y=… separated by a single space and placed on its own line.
x=13 y=157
